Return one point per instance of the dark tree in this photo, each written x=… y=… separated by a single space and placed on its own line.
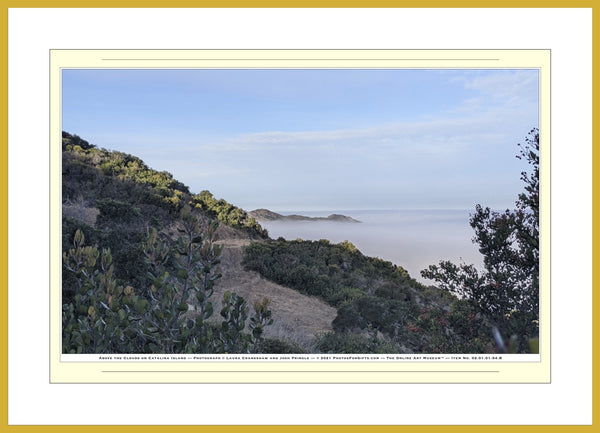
x=506 y=292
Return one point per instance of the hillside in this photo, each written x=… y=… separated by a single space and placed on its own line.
x=267 y=215
x=114 y=207
x=298 y=318
x=145 y=269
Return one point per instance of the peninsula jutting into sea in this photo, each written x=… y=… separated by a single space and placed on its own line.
x=267 y=215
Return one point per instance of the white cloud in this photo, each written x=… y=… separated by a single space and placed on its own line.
x=521 y=84
x=451 y=135
x=504 y=87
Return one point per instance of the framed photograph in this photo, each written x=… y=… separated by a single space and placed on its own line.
x=300 y=216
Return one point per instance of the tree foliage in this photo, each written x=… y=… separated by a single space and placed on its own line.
x=380 y=308
x=103 y=316
x=336 y=273
x=99 y=174
x=121 y=197
x=227 y=213
x=506 y=292
x=368 y=342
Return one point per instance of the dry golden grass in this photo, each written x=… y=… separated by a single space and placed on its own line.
x=297 y=318
x=81 y=212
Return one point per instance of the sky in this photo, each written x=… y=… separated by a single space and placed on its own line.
x=317 y=139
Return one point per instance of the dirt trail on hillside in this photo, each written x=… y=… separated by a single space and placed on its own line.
x=296 y=317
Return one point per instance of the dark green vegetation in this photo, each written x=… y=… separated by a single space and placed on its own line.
x=336 y=273
x=103 y=316
x=113 y=207
x=132 y=193
x=130 y=198
x=380 y=308
x=506 y=293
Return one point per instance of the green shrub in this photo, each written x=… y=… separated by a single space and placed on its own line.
x=336 y=273
x=394 y=291
x=116 y=212
x=386 y=315
x=102 y=174
x=460 y=330
x=344 y=296
x=70 y=227
x=276 y=346
x=228 y=214
x=75 y=141
x=332 y=342
x=104 y=316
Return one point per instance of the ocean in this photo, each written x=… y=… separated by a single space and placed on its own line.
x=413 y=239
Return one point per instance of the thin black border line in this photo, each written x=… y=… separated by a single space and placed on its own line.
x=391 y=383
x=292 y=68
x=299 y=49
x=391 y=50
x=298 y=60
x=299 y=371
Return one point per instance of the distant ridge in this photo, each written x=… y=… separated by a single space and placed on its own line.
x=268 y=215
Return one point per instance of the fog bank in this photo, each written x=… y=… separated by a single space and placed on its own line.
x=413 y=239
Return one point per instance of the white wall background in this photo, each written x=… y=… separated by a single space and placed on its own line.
x=32 y=32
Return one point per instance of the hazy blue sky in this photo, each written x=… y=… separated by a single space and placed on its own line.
x=317 y=139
